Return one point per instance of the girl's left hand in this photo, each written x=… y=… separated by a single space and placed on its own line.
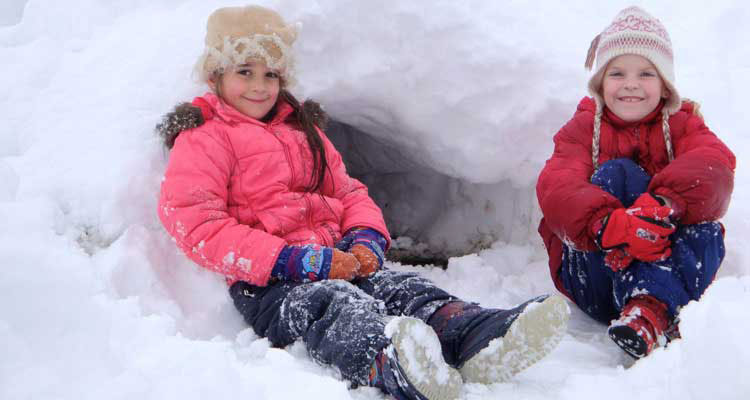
x=368 y=260
x=344 y=266
x=367 y=245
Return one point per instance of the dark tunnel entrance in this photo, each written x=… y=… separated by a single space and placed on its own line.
x=430 y=215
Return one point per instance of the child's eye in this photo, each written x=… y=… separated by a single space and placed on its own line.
x=648 y=74
x=615 y=73
x=273 y=75
x=245 y=72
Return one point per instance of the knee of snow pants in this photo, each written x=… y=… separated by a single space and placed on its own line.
x=339 y=324
x=697 y=252
x=405 y=293
x=622 y=178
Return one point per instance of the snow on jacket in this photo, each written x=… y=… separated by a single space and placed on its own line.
x=233 y=194
x=699 y=180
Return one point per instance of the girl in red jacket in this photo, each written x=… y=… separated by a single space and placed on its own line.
x=256 y=192
x=632 y=191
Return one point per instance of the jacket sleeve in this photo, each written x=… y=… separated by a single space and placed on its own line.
x=700 y=179
x=359 y=208
x=569 y=202
x=193 y=209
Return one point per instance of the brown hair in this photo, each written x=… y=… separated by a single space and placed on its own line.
x=308 y=117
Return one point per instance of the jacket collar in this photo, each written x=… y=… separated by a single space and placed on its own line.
x=231 y=115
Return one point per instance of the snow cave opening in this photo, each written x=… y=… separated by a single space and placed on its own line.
x=432 y=216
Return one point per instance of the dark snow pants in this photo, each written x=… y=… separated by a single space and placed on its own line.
x=341 y=323
x=697 y=252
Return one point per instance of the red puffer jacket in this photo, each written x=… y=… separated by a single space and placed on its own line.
x=699 y=180
x=233 y=194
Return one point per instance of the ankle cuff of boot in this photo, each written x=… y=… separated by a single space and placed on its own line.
x=652 y=310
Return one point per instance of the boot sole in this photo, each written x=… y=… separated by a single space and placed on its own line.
x=421 y=359
x=628 y=340
x=533 y=335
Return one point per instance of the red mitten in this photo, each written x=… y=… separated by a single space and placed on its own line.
x=648 y=205
x=617 y=259
x=642 y=231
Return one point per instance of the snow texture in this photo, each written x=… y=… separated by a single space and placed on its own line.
x=96 y=301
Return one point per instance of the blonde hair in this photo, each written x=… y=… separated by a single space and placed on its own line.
x=696 y=107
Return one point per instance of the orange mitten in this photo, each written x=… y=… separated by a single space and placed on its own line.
x=343 y=266
x=367 y=259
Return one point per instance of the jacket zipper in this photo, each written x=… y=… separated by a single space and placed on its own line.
x=309 y=215
x=287 y=155
x=637 y=133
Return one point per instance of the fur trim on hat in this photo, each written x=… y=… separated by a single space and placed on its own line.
x=236 y=34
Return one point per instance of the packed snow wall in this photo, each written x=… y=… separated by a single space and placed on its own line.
x=11 y=12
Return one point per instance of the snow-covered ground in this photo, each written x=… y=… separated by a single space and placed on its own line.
x=96 y=302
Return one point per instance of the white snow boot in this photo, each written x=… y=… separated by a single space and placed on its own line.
x=492 y=345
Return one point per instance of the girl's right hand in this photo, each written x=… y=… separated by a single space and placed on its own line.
x=643 y=232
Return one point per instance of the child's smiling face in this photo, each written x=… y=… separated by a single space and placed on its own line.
x=251 y=88
x=632 y=87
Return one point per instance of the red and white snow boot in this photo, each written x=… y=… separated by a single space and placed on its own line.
x=641 y=327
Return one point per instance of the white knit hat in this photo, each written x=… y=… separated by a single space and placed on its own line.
x=634 y=31
x=234 y=34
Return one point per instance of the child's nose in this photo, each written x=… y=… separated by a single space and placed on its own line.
x=631 y=84
x=256 y=85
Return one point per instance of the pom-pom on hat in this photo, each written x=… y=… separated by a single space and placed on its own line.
x=634 y=31
x=236 y=34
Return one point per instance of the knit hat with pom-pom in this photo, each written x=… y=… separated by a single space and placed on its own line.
x=633 y=31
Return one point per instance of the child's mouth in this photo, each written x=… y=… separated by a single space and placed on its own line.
x=630 y=99
x=254 y=100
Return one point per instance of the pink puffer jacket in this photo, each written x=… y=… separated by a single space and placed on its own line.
x=233 y=194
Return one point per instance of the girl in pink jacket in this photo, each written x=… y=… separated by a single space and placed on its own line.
x=255 y=191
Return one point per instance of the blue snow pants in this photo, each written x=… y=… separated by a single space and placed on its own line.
x=341 y=323
x=697 y=252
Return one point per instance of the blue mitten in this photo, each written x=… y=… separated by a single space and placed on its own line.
x=313 y=263
x=303 y=263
